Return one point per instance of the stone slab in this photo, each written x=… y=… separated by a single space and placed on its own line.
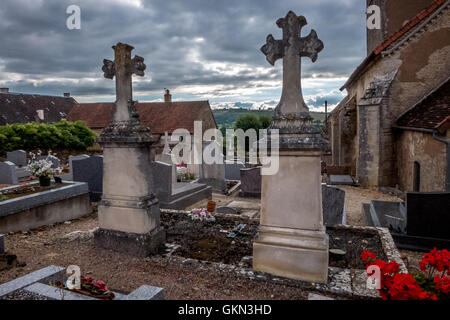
x=313 y=296
x=145 y=292
x=341 y=180
x=252 y=214
x=244 y=205
x=227 y=210
x=250 y=182
x=18 y=157
x=55 y=293
x=42 y=275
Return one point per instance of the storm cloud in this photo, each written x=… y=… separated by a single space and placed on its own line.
x=200 y=49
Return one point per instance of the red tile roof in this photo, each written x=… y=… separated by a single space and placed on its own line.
x=159 y=116
x=421 y=16
x=433 y=112
x=21 y=108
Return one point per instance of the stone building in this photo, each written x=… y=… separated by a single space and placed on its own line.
x=404 y=77
x=22 y=108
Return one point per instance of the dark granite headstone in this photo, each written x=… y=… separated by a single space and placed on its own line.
x=90 y=170
x=2 y=243
x=232 y=170
x=333 y=205
x=251 y=182
x=428 y=214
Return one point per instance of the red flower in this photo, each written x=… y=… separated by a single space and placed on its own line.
x=438 y=260
x=100 y=285
x=442 y=284
x=367 y=255
x=86 y=279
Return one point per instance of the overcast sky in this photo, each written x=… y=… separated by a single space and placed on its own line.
x=199 y=49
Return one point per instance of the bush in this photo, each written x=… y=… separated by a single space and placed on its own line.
x=55 y=136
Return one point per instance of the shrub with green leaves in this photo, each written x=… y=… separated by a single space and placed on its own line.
x=54 y=136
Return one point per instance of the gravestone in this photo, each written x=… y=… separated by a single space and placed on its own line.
x=428 y=214
x=333 y=204
x=341 y=180
x=2 y=243
x=8 y=173
x=54 y=160
x=90 y=170
x=292 y=241
x=213 y=174
x=250 y=182
x=177 y=195
x=232 y=170
x=129 y=213
x=18 y=157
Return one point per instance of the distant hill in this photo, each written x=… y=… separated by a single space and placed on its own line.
x=227 y=117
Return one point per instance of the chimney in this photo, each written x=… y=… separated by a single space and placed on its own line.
x=167 y=96
x=66 y=94
x=4 y=90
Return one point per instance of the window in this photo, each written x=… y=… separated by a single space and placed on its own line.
x=416 y=175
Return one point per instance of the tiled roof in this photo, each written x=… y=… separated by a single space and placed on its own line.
x=433 y=112
x=421 y=16
x=159 y=116
x=21 y=108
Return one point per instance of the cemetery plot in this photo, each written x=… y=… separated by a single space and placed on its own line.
x=229 y=240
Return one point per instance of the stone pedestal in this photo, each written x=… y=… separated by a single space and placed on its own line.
x=129 y=212
x=292 y=241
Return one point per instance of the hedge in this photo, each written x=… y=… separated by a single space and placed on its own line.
x=55 y=136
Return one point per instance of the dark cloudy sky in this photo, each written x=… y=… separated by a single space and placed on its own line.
x=200 y=49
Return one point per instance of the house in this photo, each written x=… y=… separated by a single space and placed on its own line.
x=391 y=130
x=22 y=108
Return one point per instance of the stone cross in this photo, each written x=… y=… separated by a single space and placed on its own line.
x=123 y=68
x=291 y=48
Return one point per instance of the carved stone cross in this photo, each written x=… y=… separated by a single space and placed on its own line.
x=123 y=68
x=291 y=49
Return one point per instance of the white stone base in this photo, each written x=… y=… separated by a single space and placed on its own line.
x=292 y=253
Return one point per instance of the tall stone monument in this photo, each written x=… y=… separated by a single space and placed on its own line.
x=129 y=212
x=292 y=241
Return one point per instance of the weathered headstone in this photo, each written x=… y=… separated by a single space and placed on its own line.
x=18 y=157
x=8 y=173
x=90 y=170
x=292 y=241
x=55 y=161
x=128 y=213
x=251 y=182
x=232 y=170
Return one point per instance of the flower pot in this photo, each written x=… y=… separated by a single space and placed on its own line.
x=211 y=206
x=44 y=181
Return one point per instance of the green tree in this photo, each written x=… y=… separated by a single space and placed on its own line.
x=247 y=121
x=265 y=121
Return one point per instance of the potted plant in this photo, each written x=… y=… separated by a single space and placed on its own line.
x=42 y=169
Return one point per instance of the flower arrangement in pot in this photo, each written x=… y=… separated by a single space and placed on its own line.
x=42 y=169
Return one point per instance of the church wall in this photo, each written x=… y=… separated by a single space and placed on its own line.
x=431 y=155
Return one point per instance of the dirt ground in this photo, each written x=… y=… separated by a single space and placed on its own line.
x=43 y=247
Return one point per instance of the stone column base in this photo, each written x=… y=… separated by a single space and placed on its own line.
x=140 y=245
x=292 y=253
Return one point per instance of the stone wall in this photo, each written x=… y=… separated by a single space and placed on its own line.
x=431 y=154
